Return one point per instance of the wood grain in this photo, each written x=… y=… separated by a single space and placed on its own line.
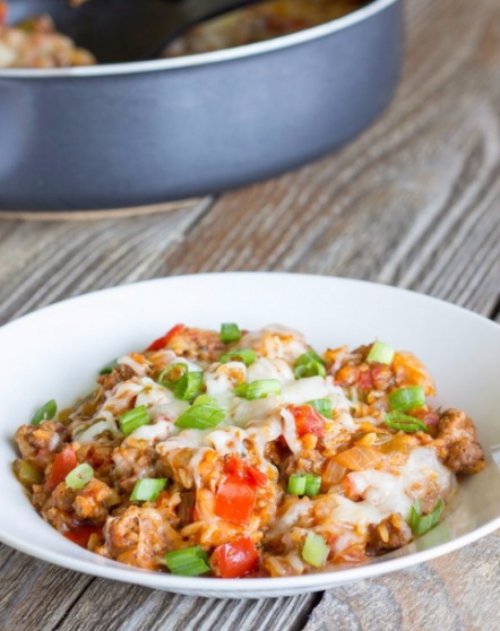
x=413 y=202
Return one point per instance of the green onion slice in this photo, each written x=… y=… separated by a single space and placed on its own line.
x=80 y=476
x=206 y=399
x=297 y=484
x=304 y=484
x=131 y=420
x=189 y=386
x=315 y=550
x=188 y=561
x=201 y=416
x=309 y=364
x=420 y=524
x=259 y=389
x=245 y=355
x=45 y=413
x=323 y=406
x=313 y=484
x=147 y=489
x=380 y=353
x=172 y=374
x=108 y=368
x=406 y=399
x=405 y=423
x=229 y=332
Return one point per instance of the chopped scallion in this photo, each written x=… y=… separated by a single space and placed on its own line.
x=297 y=484
x=147 y=489
x=189 y=386
x=200 y=416
x=206 y=399
x=309 y=364
x=80 y=476
x=131 y=420
x=304 y=484
x=406 y=399
x=229 y=332
x=420 y=524
x=313 y=484
x=315 y=550
x=45 y=413
x=172 y=374
x=405 y=423
x=323 y=406
x=245 y=355
x=380 y=353
x=188 y=561
x=259 y=389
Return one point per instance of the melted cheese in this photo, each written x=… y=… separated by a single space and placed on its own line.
x=154 y=432
x=265 y=368
x=226 y=441
x=284 y=522
x=153 y=395
x=290 y=432
x=389 y=493
x=187 y=439
x=221 y=378
x=89 y=434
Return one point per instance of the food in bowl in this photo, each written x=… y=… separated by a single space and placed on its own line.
x=238 y=453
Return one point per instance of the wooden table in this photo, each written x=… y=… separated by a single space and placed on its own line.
x=414 y=202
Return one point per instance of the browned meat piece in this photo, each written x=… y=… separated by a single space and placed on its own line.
x=391 y=533
x=122 y=372
x=94 y=501
x=58 y=507
x=307 y=461
x=457 y=443
x=197 y=344
x=133 y=459
x=99 y=456
x=38 y=444
x=139 y=536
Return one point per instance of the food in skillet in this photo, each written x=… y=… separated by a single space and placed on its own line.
x=238 y=453
x=35 y=43
x=259 y=22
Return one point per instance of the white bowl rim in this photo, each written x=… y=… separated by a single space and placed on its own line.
x=256 y=586
x=202 y=59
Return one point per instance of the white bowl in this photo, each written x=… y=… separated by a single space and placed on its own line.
x=55 y=353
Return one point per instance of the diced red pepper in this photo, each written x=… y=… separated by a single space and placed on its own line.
x=235 y=559
x=64 y=462
x=307 y=420
x=256 y=476
x=234 y=465
x=235 y=500
x=161 y=342
x=82 y=534
x=364 y=379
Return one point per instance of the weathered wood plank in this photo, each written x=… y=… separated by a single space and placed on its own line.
x=104 y=607
x=35 y=595
x=45 y=262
